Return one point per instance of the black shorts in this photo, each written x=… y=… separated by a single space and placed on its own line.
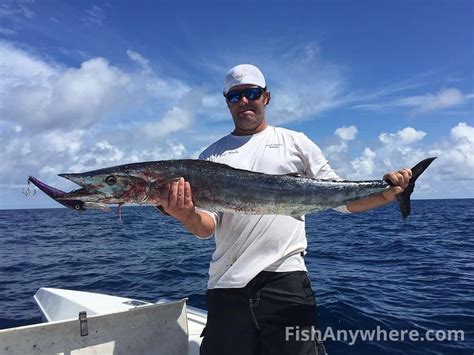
x=262 y=318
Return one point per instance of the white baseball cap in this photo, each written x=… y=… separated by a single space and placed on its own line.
x=244 y=74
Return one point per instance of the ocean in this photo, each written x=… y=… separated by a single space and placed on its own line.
x=371 y=272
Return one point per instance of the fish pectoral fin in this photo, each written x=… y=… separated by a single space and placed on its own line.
x=298 y=218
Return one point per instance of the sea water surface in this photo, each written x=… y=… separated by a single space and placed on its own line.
x=369 y=271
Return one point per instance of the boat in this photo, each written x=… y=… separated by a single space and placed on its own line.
x=78 y=322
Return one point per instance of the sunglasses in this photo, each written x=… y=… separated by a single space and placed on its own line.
x=250 y=94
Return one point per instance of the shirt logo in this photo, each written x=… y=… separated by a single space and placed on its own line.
x=229 y=152
x=274 y=145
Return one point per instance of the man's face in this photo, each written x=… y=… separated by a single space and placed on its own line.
x=248 y=115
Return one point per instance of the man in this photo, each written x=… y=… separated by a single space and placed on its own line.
x=258 y=284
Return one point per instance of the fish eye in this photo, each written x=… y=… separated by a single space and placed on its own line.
x=110 y=180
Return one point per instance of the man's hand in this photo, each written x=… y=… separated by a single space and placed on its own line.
x=400 y=180
x=176 y=199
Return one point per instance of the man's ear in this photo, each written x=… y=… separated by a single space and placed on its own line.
x=268 y=98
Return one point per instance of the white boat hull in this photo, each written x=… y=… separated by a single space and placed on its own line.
x=115 y=325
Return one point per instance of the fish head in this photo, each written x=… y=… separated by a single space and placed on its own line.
x=108 y=186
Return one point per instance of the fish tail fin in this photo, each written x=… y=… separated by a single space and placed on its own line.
x=404 y=197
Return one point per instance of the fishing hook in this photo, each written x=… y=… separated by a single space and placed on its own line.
x=29 y=190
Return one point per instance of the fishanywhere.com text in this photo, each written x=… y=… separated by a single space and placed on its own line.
x=352 y=336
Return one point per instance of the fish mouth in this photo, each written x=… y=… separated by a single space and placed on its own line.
x=82 y=195
x=64 y=198
x=79 y=200
x=89 y=191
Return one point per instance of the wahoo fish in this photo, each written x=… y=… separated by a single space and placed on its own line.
x=219 y=187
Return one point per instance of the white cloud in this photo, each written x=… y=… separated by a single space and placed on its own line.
x=42 y=95
x=140 y=60
x=57 y=141
x=405 y=136
x=302 y=54
x=298 y=98
x=17 y=147
x=95 y=15
x=365 y=164
x=212 y=101
x=395 y=151
x=15 y=9
x=419 y=104
x=178 y=118
x=431 y=102
x=346 y=133
x=7 y=31
x=86 y=94
x=333 y=151
x=463 y=133
x=101 y=154
x=18 y=67
x=457 y=157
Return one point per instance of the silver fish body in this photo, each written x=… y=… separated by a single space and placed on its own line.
x=216 y=187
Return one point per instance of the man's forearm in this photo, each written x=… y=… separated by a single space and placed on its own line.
x=368 y=203
x=199 y=223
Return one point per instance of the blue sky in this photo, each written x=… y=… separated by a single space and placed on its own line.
x=378 y=85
